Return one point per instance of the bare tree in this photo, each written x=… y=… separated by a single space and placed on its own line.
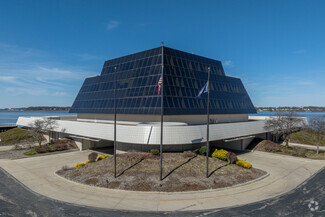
x=317 y=129
x=41 y=126
x=284 y=124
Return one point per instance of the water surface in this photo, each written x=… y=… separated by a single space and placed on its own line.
x=8 y=118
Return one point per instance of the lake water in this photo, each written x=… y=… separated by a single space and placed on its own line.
x=308 y=115
x=10 y=117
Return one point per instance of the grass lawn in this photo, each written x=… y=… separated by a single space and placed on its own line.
x=304 y=137
x=269 y=146
x=15 y=135
x=139 y=171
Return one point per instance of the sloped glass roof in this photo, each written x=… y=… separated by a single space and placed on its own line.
x=184 y=76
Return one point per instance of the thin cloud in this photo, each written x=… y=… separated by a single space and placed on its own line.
x=22 y=76
x=300 y=51
x=26 y=91
x=86 y=56
x=8 y=78
x=60 y=94
x=112 y=25
x=228 y=63
x=306 y=83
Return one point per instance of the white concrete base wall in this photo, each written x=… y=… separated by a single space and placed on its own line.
x=166 y=148
x=189 y=119
x=148 y=135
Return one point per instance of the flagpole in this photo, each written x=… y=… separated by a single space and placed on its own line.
x=114 y=122
x=208 y=122
x=162 y=108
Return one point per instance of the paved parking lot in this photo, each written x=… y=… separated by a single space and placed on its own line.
x=17 y=200
x=38 y=174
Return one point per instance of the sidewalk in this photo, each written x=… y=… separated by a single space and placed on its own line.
x=310 y=147
x=6 y=148
x=38 y=174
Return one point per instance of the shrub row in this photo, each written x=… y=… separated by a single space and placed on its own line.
x=201 y=151
x=101 y=157
x=221 y=154
x=243 y=163
x=90 y=156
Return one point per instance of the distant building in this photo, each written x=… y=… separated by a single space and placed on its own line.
x=139 y=105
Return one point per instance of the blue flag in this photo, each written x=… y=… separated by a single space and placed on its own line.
x=203 y=90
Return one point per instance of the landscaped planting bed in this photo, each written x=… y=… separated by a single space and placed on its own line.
x=139 y=171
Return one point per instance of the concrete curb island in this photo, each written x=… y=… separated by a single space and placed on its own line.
x=283 y=175
x=154 y=192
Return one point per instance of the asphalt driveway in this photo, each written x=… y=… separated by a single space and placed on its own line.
x=17 y=200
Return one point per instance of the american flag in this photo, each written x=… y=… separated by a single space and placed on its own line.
x=160 y=83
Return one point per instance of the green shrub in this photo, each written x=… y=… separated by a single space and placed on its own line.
x=203 y=150
x=196 y=151
x=243 y=163
x=31 y=152
x=154 y=151
x=220 y=154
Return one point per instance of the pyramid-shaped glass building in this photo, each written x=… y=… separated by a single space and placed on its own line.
x=184 y=76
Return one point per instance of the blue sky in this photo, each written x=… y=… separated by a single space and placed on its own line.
x=47 y=48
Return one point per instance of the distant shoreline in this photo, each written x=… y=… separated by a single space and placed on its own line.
x=258 y=109
x=288 y=111
x=38 y=108
x=291 y=109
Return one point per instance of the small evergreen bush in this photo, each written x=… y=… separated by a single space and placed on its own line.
x=154 y=151
x=203 y=150
x=31 y=152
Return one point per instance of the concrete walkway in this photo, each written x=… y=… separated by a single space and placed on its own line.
x=38 y=174
x=6 y=148
x=310 y=147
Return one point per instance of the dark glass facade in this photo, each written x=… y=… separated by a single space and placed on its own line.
x=184 y=76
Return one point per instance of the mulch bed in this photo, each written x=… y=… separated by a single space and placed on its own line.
x=139 y=171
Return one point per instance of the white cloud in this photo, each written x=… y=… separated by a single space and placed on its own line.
x=8 y=78
x=60 y=94
x=112 y=25
x=228 y=63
